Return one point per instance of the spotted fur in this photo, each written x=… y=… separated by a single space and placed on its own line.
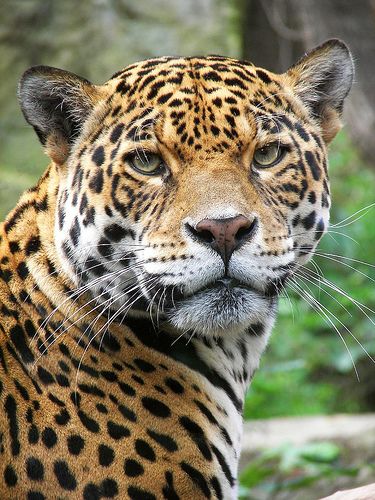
x=134 y=308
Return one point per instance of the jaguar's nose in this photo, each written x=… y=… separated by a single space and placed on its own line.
x=224 y=235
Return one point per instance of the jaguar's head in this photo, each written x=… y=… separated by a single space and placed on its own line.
x=190 y=189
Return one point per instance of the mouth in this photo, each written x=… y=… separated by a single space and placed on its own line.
x=229 y=285
x=224 y=306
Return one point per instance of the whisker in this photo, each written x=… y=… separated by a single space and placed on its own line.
x=346 y=328
x=364 y=209
x=320 y=309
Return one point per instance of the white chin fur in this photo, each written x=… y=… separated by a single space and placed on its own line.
x=220 y=312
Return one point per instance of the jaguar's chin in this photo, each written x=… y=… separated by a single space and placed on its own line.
x=224 y=308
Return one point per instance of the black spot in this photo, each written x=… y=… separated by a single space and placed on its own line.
x=64 y=476
x=235 y=82
x=17 y=336
x=45 y=376
x=109 y=488
x=62 y=380
x=156 y=407
x=165 y=97
x=110 y=342
x=197 y=478
x=140 y=494
x=35 y=495
x=301 y=132
x=75 y=444
x=145 y=366
x=22 y=390
x=116 y=133
x=312 y=197
x=314 y=167
x=117 y=431
x=105 y=248
x=75 y=232
x=11 y=411
x=63 y=417
x=88 y=422
x=98 y=156
x=94 y=266
x=169 y=492
x=91 y=389
x=223 y=464
x=309 y=221
x=127 y=413
x=174 y=385
x=197 y=435
x=132 y=468
x=49 y=437
x=115 y=232
x=212 y=76
x=33 y=435
x=22 y=270
x=144 y=450
x=320 y=227
x=127 y=389
x=210 y=417
x=101 y=408
x=215 y=130
x=155 y=87
x=34 y=469
x=106 y=455
x=10 y=476
x=91 y=492
x=14 y=247
x=109 y=375
x=163 y=440
x=33 y=245
x=122 y=87
x=29 y=328
x=263 y=76
x=217 y=488
x=97 y=181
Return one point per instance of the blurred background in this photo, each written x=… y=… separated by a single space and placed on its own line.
x=319 y=360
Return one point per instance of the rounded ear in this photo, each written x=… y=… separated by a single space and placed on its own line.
x=56 y=103
x=322 y=79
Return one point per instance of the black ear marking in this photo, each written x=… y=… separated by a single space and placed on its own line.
x=323 y=78
x=55 y=102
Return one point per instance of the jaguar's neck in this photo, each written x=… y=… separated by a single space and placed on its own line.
x=228 y=364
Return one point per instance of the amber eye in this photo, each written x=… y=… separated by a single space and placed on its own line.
x=269 y=155
x=146 y=163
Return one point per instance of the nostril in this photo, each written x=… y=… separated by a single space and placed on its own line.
x=201 y=234
x=205 y=236
x=246 y=231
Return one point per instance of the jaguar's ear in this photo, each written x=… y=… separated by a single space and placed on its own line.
x=322 y=79
x=56 y=103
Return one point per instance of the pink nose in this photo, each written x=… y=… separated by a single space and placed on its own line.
x=224 y=235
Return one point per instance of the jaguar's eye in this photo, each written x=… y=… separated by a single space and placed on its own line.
x=269 y=155
x=146 y=163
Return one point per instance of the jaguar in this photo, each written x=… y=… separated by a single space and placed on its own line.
x=140 y=277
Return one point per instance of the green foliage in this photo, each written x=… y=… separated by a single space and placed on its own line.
x=21 y=164
x=289 y=468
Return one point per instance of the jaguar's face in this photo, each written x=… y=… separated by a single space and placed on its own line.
x=195 y=189
x=203 y=209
